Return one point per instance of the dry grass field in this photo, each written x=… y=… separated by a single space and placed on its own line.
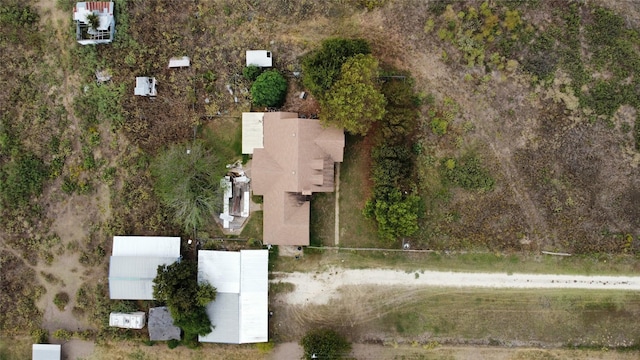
x=542 y=96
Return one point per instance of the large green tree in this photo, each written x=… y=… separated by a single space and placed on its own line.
x=269 y=89
x=321 y=68
x=187 y=180
x=355 y=101
x=176 y=285
x=324 y=344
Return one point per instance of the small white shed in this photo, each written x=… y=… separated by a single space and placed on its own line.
x=145 y=86
x=134 y=320
x=46 y=351
x=179 y=62
x=261 y=58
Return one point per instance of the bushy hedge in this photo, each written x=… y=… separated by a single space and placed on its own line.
x=269 y=89
x=322 y=68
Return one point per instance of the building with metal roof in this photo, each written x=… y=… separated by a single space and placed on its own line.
x=240 y=312
x=46 y=352
x=260 y=58
x=134 y=264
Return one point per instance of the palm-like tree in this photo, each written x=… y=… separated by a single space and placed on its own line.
x=93 y=20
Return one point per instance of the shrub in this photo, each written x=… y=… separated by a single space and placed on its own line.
x=40 y=336
x=251 y=72
x=265 y=348
x=61 y=300
x=63 y=334
x=21 y=178
x=173 y=343
x=324 y=344
x=269 y=89
x=468 y=173
x=321 y=68
x=209 y=81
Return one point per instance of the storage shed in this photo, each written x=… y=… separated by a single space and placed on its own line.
x=240 y=311
x=260 y=58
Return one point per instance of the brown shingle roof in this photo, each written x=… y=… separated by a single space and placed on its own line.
x=298 y=158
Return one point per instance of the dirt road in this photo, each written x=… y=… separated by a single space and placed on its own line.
x=319 y=288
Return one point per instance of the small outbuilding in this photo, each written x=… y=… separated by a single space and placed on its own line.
x=46 y=352
x=134 y=264
x=134 y=320
x=161 y=327
x=95 y=23
x=240 y=312
x=179 y=62
x=260 y=58
x=145 y=86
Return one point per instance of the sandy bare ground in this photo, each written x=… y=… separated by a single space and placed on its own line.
x=320 y=288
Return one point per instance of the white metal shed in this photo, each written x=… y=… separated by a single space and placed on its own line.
x=240 y=311
x=261 y=58
x=46 y=351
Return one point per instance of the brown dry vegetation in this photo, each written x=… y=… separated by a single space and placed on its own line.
x=563 y=179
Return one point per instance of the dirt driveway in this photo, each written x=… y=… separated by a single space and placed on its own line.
x=314 y=288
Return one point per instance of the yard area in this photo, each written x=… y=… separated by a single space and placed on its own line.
x=497 y=317
x=527 y=139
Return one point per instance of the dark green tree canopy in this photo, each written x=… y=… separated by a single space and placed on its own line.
x=189 y=183
x=269 y=89
x=251 y=72
x=322 y=67
x=176 y=285
x=355 y=101
x=324 y=344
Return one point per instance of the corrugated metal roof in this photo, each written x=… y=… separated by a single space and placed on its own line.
x=224 y=315
x=155 y=246
x=131 y=277
x=240 y=311
x=261 y=58
x=252 y=131
x=46 y=351
x=220 y=269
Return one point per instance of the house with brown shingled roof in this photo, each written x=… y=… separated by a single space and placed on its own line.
x=297 y=159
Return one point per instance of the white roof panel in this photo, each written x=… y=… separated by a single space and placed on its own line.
x=223 y=313
x=131 y=277
x=176 y=62
x=221 y=269
x=154 y=246
x=254 y=270
x=46 y=351
x=252 y=131
x=261 y=58
x=240 y=311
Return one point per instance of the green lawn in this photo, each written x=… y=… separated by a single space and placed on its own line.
x=323 y=214
x=355 y=230
x=561 y=317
